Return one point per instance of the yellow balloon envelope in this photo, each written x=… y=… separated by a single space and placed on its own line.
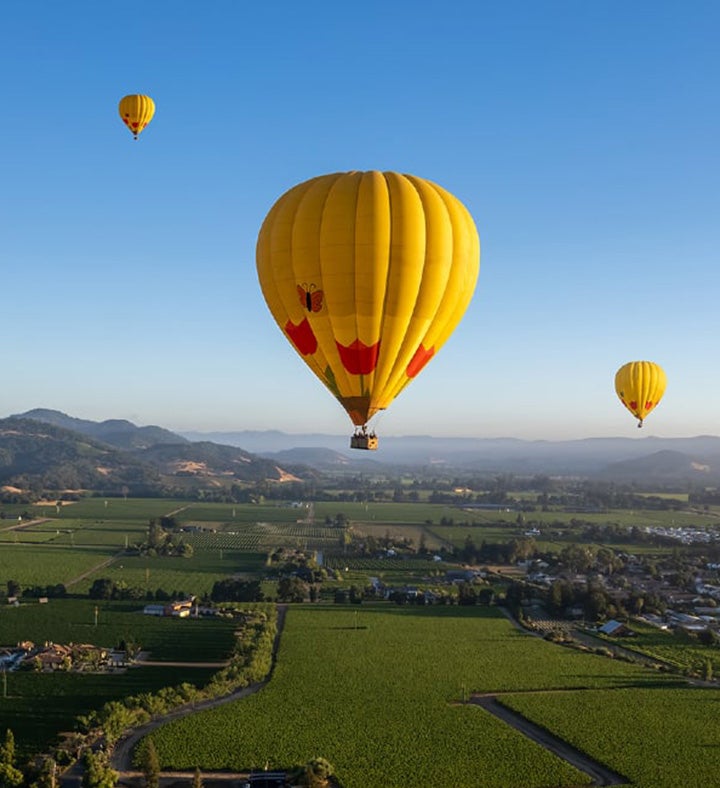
x=136 y=112
x=367 y=274
x=640 y=386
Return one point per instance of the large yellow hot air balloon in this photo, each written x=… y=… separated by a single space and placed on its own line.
x=136 y=112
x=640 y=386
x=367 y=274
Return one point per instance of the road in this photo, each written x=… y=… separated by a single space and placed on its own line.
x=122 y=754
x=599 y=773
x=121 y=759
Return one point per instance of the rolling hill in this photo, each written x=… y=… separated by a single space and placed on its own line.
x=45 y=449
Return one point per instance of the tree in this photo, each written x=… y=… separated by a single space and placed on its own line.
x=292 y=589
x=151 y=765
x=102 y=588
x=467 y=594
x=156 y=535
x=232 y=590
x=707 y=670
x=197 y=779
x=422 y=544
x=10 y=777
x=315 y=773
x=486 y=596
x=47 y=774
x=7 y=748
x=98 y=773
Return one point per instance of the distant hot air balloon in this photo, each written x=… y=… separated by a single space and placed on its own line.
x=136 y=112
x=640 y=386
x=367 y=274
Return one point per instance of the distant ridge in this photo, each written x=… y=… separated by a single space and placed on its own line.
x=117 y=432
x=607 y=458
x=49 y=448
x=274 y=455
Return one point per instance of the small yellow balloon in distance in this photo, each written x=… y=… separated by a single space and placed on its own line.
x=136 y=112
x=640 y=386
x=367 y=274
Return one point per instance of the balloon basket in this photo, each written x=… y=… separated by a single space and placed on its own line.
x=364 y=440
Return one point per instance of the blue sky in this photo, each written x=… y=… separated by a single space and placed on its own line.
x=583 y=138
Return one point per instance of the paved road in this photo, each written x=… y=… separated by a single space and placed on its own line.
x=599 y=773
x=123 y=751
x=121 y=758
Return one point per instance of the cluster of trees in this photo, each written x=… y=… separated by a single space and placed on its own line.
x=161 y=541
x=234 y=590
x=106 y=588
x=356 y=543
x=299 y=563
x=518 y=549
x=597 y=604
x=35 y=592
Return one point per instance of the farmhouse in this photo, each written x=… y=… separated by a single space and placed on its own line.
x=615 y=629
x=57 y=656
x=179 y=609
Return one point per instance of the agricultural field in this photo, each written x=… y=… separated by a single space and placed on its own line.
x=44 y=564
x=37 y=706
x=194 y=576
x=81 y=542
x=112 y=509
x=414 y=533
x=378 y=691
x=73 y=621
x=658 y=737
x=385 y=513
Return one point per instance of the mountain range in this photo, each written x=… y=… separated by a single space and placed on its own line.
x=51 y=450
x=46 y=449
x=694 y=459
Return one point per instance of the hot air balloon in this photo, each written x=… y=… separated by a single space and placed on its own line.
x=136 y=112
x=367 y=274
x=640 y=386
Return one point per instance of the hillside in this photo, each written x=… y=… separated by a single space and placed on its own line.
x=36 y=455
x=117 y=432
x=664 y=466
x=43 y=455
